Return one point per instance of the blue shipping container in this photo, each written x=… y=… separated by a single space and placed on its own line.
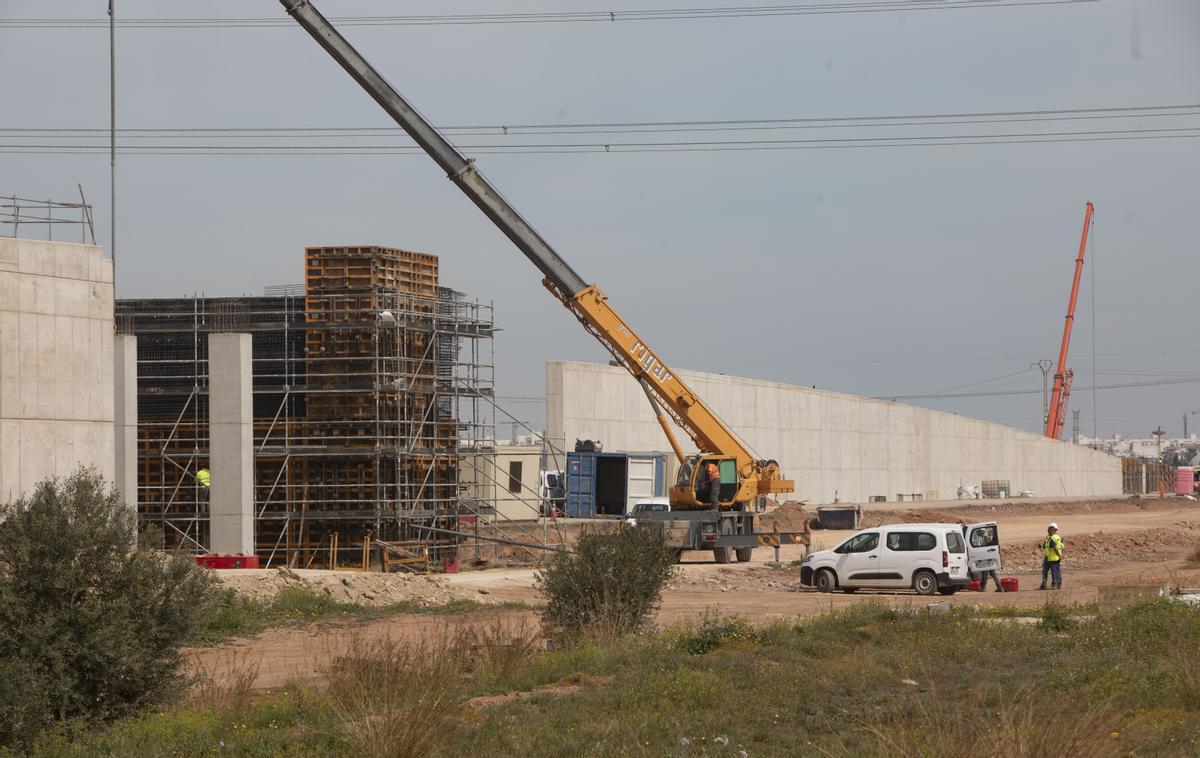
x=608 y=484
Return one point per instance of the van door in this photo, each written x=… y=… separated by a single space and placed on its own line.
x=983 y=547
x=859 y=563
x=904 y=551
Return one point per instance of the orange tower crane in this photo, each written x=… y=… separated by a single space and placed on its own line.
x=1063 y=375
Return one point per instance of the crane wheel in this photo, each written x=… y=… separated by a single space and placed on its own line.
x=722 y=554
x=744 y=553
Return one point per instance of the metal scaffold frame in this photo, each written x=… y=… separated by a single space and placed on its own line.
x=358 y=444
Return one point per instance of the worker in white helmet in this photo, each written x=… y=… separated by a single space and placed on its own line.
x=1052 y=555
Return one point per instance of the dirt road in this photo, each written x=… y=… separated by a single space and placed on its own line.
x=1109 y=542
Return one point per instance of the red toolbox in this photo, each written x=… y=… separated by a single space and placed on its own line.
x=973 y=585
x=1009 y=584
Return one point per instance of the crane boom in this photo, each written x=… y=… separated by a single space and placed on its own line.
x=1063 y=376
x=586 y=301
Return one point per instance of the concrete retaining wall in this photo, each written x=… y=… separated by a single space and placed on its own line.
x=830 y=442
x=56 y=362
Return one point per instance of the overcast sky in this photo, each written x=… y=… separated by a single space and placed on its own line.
x=876 y=270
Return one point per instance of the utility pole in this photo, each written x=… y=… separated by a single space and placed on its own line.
x=1045 y=366
x=112 y=135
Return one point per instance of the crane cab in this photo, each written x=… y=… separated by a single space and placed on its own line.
x=691 y=489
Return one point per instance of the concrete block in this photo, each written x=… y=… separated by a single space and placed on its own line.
x=10 y=291
x=10 y=461
x=125 y=417
x=53 y=415
x=9 y=260
x=231 y=447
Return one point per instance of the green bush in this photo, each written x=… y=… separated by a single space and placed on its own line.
x=715 y=631
x=90 y=623
x=609 y=586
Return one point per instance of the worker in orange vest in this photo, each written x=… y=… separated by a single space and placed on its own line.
x=713 y=472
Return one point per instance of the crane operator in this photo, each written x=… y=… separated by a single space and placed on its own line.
x=713 y=472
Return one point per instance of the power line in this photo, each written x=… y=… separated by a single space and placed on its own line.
x=629 y=147
x=596 y=16
x=1005 y=393
x=833 y=122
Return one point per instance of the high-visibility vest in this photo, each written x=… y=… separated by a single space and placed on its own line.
x=714 y=473
x=1052 y=547
x=204 y=477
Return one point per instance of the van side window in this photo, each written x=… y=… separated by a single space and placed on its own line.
x=954 y=542
x=911 y=541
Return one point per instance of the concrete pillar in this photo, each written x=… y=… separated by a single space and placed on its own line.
x=125 y=418
x=231 y=445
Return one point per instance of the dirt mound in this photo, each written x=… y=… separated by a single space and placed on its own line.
x=978 y=510
x=789 y=517
x=1098 y=548
x=347 y=587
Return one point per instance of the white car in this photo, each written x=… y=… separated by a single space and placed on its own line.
x=928 y=558
x=649 y=505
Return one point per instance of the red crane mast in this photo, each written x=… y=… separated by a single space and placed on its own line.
x=1063 y=375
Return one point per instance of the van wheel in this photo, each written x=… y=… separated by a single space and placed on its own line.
x=925 y=583
x=722 y=554
x=744 y=553
x=679 y=556
x=948 y=590
x=849 y=590
x=825 y=581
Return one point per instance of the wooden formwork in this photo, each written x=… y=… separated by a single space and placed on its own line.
x=1160 y=478
x=1133 y=479
x=369 y=268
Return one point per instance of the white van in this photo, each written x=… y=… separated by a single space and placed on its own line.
x=926 y=557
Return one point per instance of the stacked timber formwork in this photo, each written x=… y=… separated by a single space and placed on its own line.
x=367 y=391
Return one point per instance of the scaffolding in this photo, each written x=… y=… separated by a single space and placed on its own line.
x=370 y=387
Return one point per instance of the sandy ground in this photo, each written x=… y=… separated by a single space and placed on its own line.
x=1112 y=542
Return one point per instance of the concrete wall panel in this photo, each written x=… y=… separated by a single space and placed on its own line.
x=830 y=442
x=56 y=326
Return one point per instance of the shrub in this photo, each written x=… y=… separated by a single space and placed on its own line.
x=714 y=631
x=90 y=623
x=1055 y=618
x=610 y=585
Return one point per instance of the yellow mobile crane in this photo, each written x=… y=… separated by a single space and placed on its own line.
x=742 y=475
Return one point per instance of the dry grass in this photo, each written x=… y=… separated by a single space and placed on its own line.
x=499 y=649
x=397 y=700
x=401 y=699
x=233 y=691
x=1023 y=725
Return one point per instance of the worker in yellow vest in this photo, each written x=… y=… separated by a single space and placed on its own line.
x=1052 y=555
x=204 y=477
